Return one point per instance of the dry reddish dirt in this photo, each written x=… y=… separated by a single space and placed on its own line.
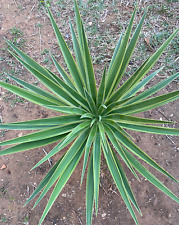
x=17 y=182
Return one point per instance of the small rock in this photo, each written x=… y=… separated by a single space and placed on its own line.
x=3 y=167
x=104 y=215
x=20 y=135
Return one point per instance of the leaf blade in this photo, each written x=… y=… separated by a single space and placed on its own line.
x=67 y=56
x=40 y=135
x=96 y=167
x=132 y=119
x=41 y=123
x=42 y=93
x=119 y=150
x=66 y=161
x=61 y=182
x=150 y=177
x=87 y=148
x=114 y=74
x=148 y=104
x=44 y=181
x=91 y=83
x=153 y=89
x=69 y=138
x=150 y=129
x=90 y=192
x=117 y=178
x=31 y=145
x=137 y=151
x=28 y=95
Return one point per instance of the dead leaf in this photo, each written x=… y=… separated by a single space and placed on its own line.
x=147 y=41
x=3 y=167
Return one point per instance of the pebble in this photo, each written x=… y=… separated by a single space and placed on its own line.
x=104 y=215
x=20 y=135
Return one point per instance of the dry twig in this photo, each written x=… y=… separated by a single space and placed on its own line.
x=49 y=160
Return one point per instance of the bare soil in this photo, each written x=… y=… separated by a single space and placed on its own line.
x=17 y=182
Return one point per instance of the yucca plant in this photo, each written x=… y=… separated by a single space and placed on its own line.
x=94 y=120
